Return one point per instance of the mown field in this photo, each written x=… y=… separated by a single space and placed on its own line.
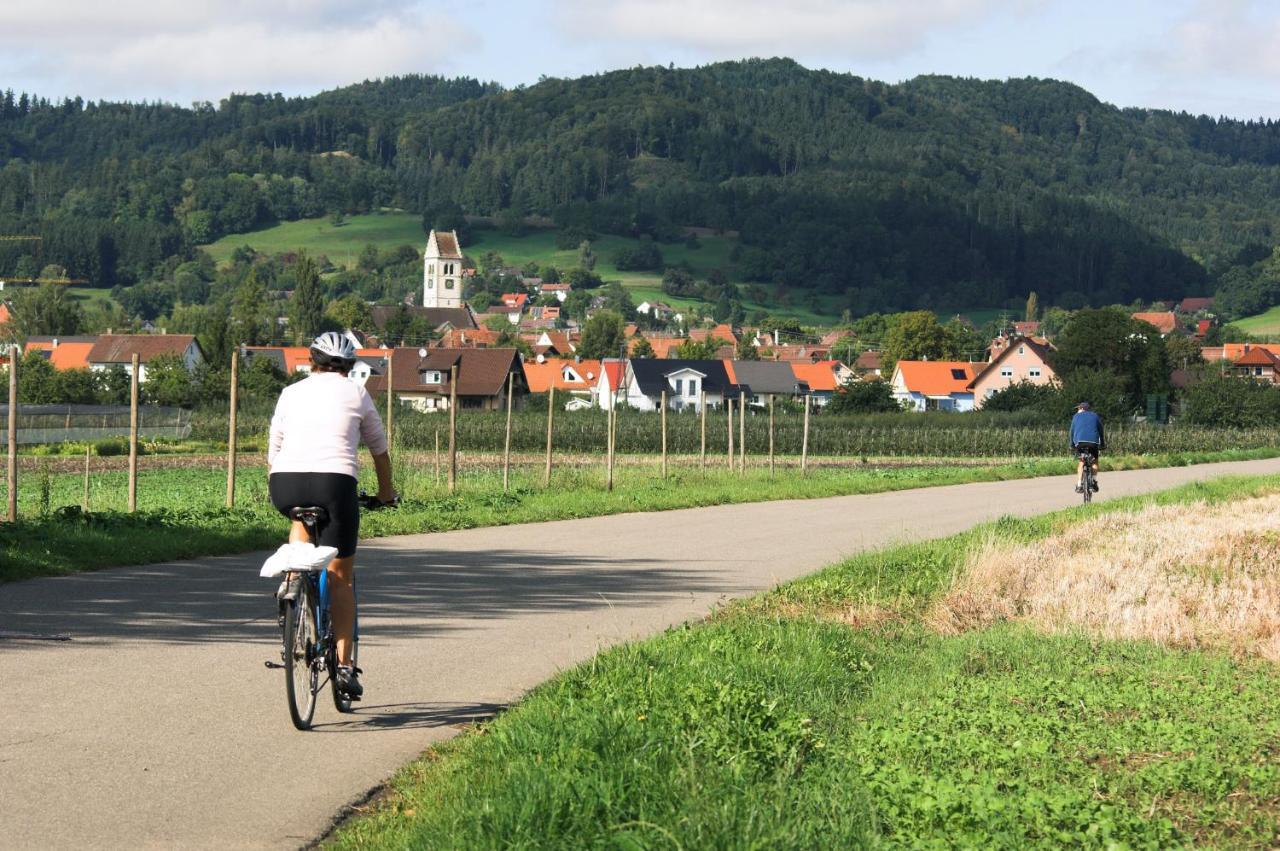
x=950 y=693
x=1266 y=324
x=342 y=245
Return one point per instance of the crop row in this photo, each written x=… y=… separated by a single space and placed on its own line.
x=899 y=436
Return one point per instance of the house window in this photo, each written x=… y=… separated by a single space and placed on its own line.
x=1022 y=350
x=431 y=283
x=1006 y=373
x=693 y=387
x=1257 y=370
x=1034 y=372
x=431 y=268
x=678 y=384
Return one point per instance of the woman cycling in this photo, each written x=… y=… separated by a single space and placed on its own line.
x=316 y=431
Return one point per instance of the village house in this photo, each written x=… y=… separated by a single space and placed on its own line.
x=578 y=379
x=1191 y=305
x=513 y=304
x=439 y=319
x=682 y=380
x=112 y=351
x=609 y=389
x=659 y=310
x=421 y=378
x=63 y=352
x=934 y=385
x=1257 y=362
x=1164 y=321
x=762 y=379
x=1022 y=360
x=560 y=291
x=867 y=364
x=822 y=378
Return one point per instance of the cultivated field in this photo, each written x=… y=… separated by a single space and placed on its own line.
x=1265 y=324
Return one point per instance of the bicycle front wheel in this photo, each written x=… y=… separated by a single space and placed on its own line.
x=301 y=675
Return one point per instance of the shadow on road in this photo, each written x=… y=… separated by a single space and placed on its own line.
x=223 y=599
x=402 y=716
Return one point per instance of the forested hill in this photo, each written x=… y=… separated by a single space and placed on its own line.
x=935 y=192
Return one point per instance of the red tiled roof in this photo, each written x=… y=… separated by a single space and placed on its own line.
x=514 y=301
x=1195 y=305
x=1257 y=356
x=71 y=356
x=120 y=348
x=820 y=376
x=936 y=377
x=720 y=332
x=869 y=361
x=612 y=371
x=467 y=338
x=1163 y=321
x=542 y=376
x=1234 y=351
x=4 y=313
x=665 y=347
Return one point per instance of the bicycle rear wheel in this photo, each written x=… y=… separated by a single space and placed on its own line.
x=1088 y=486
x=301 y=676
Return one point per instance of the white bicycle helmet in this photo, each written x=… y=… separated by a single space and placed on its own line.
x=333 y=349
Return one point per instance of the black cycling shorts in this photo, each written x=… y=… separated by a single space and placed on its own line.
x=1091 y=449
x=334 y=492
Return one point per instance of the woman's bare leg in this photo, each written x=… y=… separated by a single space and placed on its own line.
x=342 y=605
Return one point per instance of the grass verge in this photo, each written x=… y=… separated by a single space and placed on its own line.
x=179 y=517
x=778 y=724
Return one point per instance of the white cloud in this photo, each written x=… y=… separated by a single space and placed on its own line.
x=205 y=50
x=877 y=28
x=1225 y=37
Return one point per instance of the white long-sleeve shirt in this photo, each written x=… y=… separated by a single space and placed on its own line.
x=319 y=424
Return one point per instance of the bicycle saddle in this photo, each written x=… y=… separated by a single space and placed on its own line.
x=309 y=514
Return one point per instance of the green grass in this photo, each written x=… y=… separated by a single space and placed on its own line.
x=770 y=726
x=1266 y=324
x=387 y=230
x=341 y=244
x=180 y=514
x=88 y=296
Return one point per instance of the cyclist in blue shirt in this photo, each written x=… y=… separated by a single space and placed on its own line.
x=1087 y=438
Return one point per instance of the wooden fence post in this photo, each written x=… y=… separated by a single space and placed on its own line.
x=611 y=444
x=770 y=435
x=437 y=456
x=742 y=433
x=13 y=434
x=729 y=414
x=133 y=435
x=804 y=441
x=453 y=427
x=231 y=431
x=551 y=416
x=391 y=395
x=84 y=502
x=506 y=445
x=664 y=434
x=702 y=412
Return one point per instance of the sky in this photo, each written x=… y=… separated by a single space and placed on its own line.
x=1218 y=58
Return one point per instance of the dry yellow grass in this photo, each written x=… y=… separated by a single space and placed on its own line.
x=1184 y=576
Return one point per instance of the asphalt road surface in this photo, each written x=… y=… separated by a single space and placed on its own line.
x=136 y=710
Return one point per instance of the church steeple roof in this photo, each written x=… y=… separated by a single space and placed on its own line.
x=445 y=244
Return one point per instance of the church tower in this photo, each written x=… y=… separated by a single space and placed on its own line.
x=442 y=270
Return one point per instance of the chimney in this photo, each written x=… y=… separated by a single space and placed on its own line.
x=55 y=342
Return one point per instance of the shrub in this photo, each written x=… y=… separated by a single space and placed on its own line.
x=1223 y=400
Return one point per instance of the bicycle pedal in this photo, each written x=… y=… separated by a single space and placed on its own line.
x=273 y=665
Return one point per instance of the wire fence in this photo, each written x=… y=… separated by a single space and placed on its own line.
x=51 y=424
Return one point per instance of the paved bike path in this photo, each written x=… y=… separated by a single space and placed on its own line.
x=137 y=711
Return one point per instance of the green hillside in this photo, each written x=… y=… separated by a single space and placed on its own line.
x=935 y=193
x=387 y=230
x=1265 y=324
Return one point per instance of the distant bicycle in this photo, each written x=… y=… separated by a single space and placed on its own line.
x=310 y=649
